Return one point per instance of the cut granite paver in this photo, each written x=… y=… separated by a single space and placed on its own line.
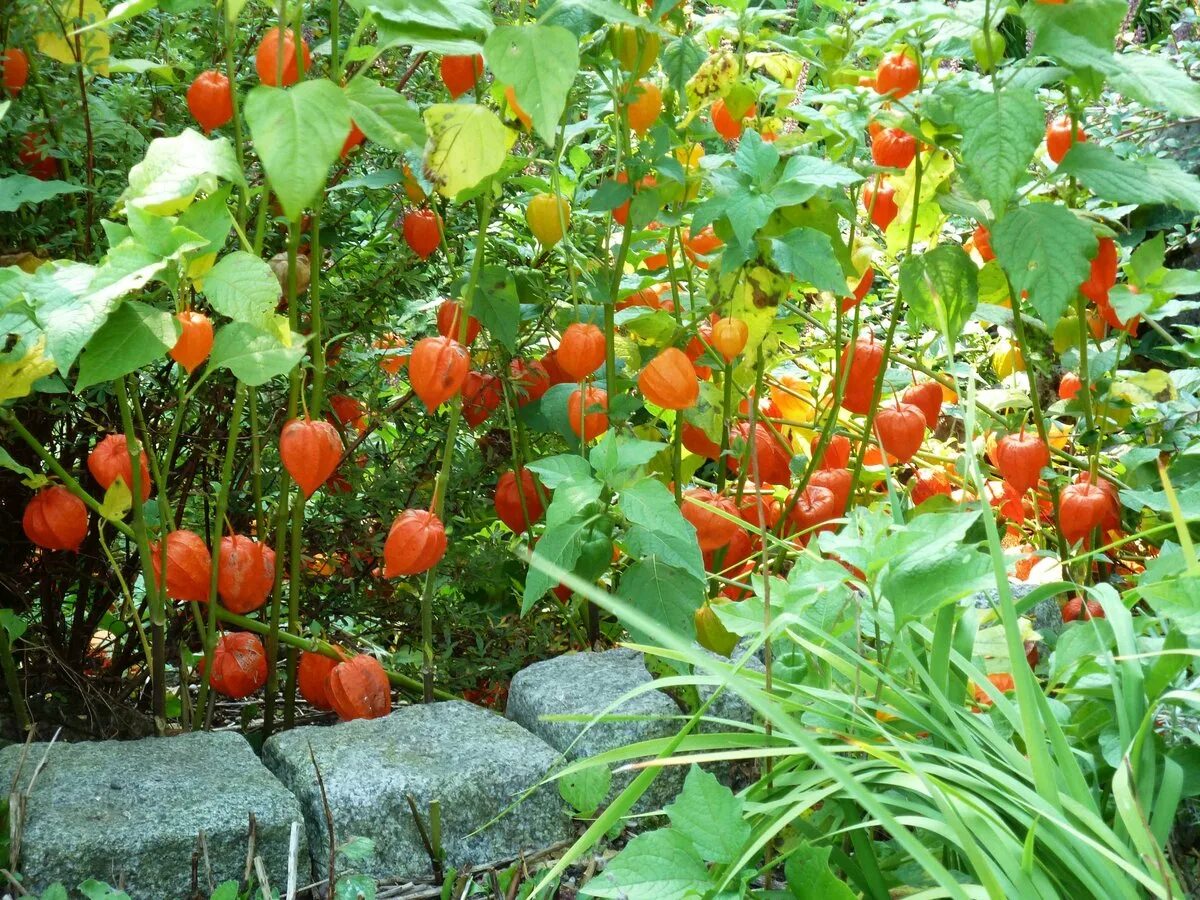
x=585 y=684
x=131 y=811
x=475 y=763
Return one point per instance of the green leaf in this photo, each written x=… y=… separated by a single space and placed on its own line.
x=710 y=816
x=226 y=890
x=134 y=335
x=540 y=62
x=1000 y=134
x=555 y=471
x=1046 y=250
x=1171 y=591
x=941 y=288
x=658 y=528
x=7 y=462
x=667 y=594
x=659 y=865
x=1081 y=641
x=467 y=143
x=1146 y=180
x=13 y=624
x=559 y=545
x=1155 y=81
x=438 y=26
x=98 y=890
x=354 y=887
x=497 y=306
x=809 y=876
x=242 y=287
x=926 y=578
x=586 y=789
x=384 y=115
x=298 y=133
x=807 y=255
x=255 y=355
x=210 y=219
x=16 y=190
x=681 y=59
x=804 y=176
x=177 y=168
x=357 y=849
x=618 y=459
x=1079 y=34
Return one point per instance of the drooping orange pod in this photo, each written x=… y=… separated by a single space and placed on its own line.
x=1103 y=273
x=422 y=231
x=460 y=73
x=277 y=45
x=189 y=566
x=929 y=483
x=587 y=412
x=881 y=204
x=437 y=369
x=901 y=430
x=1020 y=459
x=897 y=75
x=701 y=244
x=482 y=394
x=864 y=361
x=696 y=440
x=814 y=507
x=210 y=100
x=1077 y=608
x=729 y=336
x=1083 y=507
x=31 y=153
x=55 y=519
x=245 y=573
x=195 y=341
x=1069 y=386
x=239 y=665
x=982 y=239
x=713 y=530
x=927 y=397
x=347 y=412
x=353 y=138
x=449 y=322
x=359 y=689
x=1059 y=139
x=728 y=125
x=893 y=148
x=508 y=500
x=839 y=482
x=310 y=451
x=643 y=109
x=670 y=381
x=110 y=460
x=773 y=465
x=836 y=454
x=312 y=677
x=581 y=350
x=14 y=70
x=415 y=543
x=529 y=379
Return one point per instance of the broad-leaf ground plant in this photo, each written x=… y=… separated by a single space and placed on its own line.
x=361 y=348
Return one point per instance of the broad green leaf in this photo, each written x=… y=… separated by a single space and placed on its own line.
x=384 y=115
x=1082 y=641
x=658 y=528
x=98 y=890
x=177 y=168
x=1079 y=34
x=586 y=789
x=803 y=176
x=242 y=287
x=298 y=133
x=681 y=58
x=438 y=26
x=710 y=816
x=16 y=190
x=658 y=865
x=497 y=306
x=467 y=143
x=617 y=459
x=255 y=355
x=667 y=594
x=559 y=545
x=6 y=460
x=540 y=62
x=17 y=375
x=226 y=890
x=941 y=288
x=1155 y=81
x=926 y=578
x=1000 y=134
x=809 y=876
x=13 y=624
x=133 y=336
x=65 y=310
x=1149 y=179
x=162 y=71
x=807 y=255
x=1046 y=251
x=1171 y=591
x=554 y=471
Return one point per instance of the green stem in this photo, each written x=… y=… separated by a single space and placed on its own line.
x=12 y=683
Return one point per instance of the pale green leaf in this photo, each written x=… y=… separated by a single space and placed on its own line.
x=711 y=817
x=255 y=355
x=941 y=288
x=242 y=287
x=658 y=865
x=540 y=63
x=16 y=190
x=384 y=115
x=134 y=335
x=1046 y=250
x=467 y=143
x=177 y=168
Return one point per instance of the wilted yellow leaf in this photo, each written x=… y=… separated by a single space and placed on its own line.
x=90 y=48
x=18 y=375
x=467 y=143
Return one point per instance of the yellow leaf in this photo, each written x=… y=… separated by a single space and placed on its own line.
x=467 y=143
x=17 y=377
x=713 y=79
x=117 y=501
x=90 y=48
x=937 y=166
x=783 y=67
